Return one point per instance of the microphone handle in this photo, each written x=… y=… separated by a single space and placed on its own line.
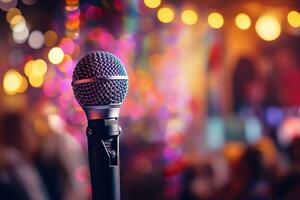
x=103 y=150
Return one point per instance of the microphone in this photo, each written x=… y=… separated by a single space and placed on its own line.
x=100 y=85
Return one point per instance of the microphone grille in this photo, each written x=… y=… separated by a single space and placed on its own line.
x=97 y=65
x=106 y=89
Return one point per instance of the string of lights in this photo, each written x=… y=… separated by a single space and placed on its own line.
x=267 y=26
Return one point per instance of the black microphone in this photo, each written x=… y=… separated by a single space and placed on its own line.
x=100 y=85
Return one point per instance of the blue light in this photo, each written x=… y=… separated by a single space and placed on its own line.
x=274 y=116
x=215 y=133
x=253 y=130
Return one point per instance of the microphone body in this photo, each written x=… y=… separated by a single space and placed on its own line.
x=103 y=150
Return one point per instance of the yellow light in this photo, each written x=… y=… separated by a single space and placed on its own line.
x=12 y=81
x=11 y=13
x=36 y=81
x=39 y=68
x=268 y=28
x=215 y=20
x=242 y=21
x=28 y=68
x=152 y=3
x=24 y=85
x=294 y=19
x=165 y=15
x=56 y=55
x=16 y=19
x=189 y=17
x=72 y=24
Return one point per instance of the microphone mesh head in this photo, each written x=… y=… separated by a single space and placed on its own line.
x=99 y=66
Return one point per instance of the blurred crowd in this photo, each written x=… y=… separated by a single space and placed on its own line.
x=53 y=166
x=39 y=167
x=252 y=175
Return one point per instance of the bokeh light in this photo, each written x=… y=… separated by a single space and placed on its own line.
x=165 y=15
x=16 y=19
x=288 y=130
x=36 y=39
x=39 y=68
x=11 y=13
x=17 y=23
x=72 y=24
x=36 y=81
x=28 y=67
x=243 y=21
x=19 y=27
x=50 y=38
x=16 y=57
x=152 y=3
x=12 y=82
x=56 y=55
x=56 y=123
x=72 y=2
x=215 y=20
x=274 y=116
x=67 y=45
x=67 y=64
x=8 y=4
x=293 y=18
x=268 y=28
x=21 y=37
x=189 y=17
x=253 y=130
x=24 y=85
x=91 y=13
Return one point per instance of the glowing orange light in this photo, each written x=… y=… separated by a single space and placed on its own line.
x=73 y=24
x=72 y=2
x=165 y=15
x=50 y=38
x=28 y=68
x=268 y=28
x=294 y=18
x=36 y=81
x=24 y=85
x=243 y=21
x=39 y=68
x=12 y=82
x=152 y=3
x=215 y=20
x=11 y=13
x=189 y=17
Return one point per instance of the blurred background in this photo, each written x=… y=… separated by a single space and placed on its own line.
x=212 y=110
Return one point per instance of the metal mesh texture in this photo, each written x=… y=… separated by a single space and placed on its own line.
x=98 y=65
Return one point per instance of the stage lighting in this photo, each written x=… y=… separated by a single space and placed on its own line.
x=39 y=68
x=24 y=85
x=215 y=20
x=189 y=17
x=268 y=28
x=56 y=55
x=242 y=21
x=12 y=82
x=165 y=15
x=152 y=3
x=36 y=81
x=294 y=19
